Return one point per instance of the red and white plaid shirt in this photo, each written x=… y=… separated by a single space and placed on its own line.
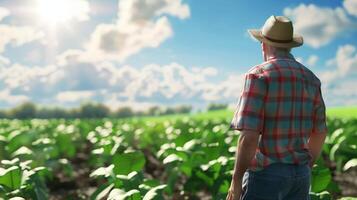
x=281 y=100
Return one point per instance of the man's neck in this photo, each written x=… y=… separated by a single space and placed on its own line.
x=270 y=53
x=280 y=54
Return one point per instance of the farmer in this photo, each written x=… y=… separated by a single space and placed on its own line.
x=281 y=117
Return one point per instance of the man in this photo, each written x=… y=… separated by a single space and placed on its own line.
x=281 y=116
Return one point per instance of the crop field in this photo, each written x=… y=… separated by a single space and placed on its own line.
x=172 y=157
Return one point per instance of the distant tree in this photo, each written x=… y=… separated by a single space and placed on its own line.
x=24 y=111
x=183 y=109
x=154 y=110
x=88 y=110
x=169 y=111
x=44 y=113
x=60 y=113
x=124 y=112
x=47 y=113
x=140 y=113
x=3 y=114
x=92 y=110
x=176 y=110
x=217 y=106
x=74 y=113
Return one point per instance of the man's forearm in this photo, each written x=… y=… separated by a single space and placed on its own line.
x=315 y=144
x=245 y=152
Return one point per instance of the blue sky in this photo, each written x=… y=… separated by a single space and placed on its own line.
x=167 y=52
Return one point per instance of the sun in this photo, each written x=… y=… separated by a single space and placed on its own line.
x=54 y=12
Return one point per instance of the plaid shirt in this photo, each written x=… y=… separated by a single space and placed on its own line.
x=281 y=100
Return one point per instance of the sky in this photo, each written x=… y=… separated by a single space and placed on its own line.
x=141 y=53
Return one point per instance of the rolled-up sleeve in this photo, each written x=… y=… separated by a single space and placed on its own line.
x=319 y=116
x=249 y=113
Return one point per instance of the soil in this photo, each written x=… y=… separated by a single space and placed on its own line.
x=80 y=186
x=347 y=182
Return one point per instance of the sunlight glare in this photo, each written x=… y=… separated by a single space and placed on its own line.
x=57 y=11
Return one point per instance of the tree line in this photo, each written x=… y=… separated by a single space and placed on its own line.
x=30 y=110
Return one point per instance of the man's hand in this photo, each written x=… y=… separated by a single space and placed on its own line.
x=315 y=143
x=235 y=190
x=245 y=152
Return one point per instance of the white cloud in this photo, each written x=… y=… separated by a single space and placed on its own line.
x=16 y=35
x=7 y=98
x=346 y=59
x=339 y=82
x=4 y=12
x=140 y=24
x=309 y=62
x=319 y=25
x=73 y=96
x=110 y=42
x=346 y=88
x=312 y=60
x=350 y=6
x=4 y=61
x=227 y=89
x=345 y=64
x=81 y=9
x=341 y=92
x=138 y=12
x=104 y=82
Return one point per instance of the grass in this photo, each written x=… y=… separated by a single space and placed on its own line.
x=338 y=112
x=342 y=112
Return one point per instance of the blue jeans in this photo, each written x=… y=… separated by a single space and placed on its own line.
x=277 y=182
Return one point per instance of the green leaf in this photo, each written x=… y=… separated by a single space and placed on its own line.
x=155 y=193
x=16 y=198
x=19 y=138
x=128 y=162
x=10 y=163
x=321 y=177
x=130 y=181
x=320 y=196
x=190 y=144
x=11 y=177
x=65 y=144
x=118 y=194
x=171 y=158
x=102 y=191
x=335 y=135
x=333 y=188
x=102 y=171
x=39 y=187
x=207 y=179
x=22 y=151
x=148 y=184
x=127 y=177
x=349 y=164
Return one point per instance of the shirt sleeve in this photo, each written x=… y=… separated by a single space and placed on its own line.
x=249 y=114
x=319 y=116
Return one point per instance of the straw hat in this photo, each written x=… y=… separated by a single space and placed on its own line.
x=278 y=31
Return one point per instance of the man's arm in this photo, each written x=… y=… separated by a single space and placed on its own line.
x=319 y=131
x=245 y=152
x=315 y=143
x=249 y=119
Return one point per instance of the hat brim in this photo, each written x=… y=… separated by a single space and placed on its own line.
x=295 y=42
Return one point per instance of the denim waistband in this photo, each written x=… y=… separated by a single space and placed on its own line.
x=284 y=170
